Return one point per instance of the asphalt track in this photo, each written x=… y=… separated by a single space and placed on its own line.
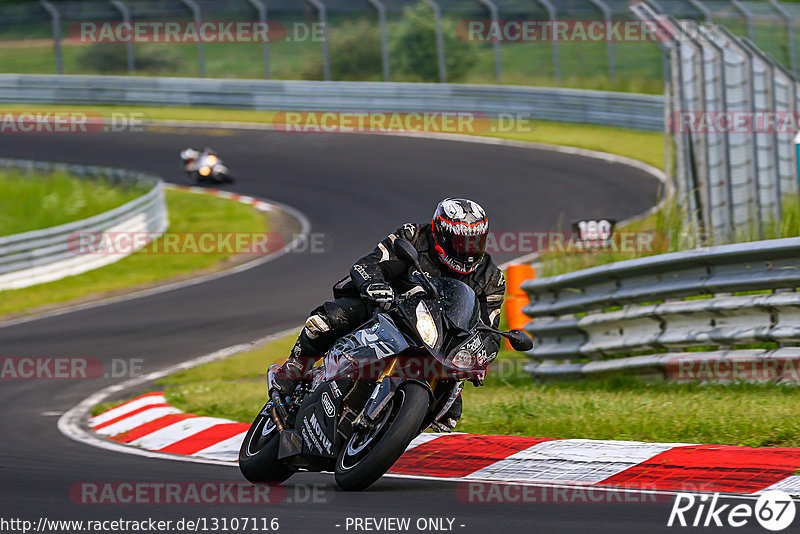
x=354 y=189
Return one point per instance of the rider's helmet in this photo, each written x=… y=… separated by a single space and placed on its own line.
x=460 y=227
x=189 y=154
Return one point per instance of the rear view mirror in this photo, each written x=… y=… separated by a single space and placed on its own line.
x=520 y=341
x=406 y=251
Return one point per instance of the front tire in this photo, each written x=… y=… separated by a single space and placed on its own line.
x=258 y=455
x=366 y=457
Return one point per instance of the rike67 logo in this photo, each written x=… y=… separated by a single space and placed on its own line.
x=774 y=510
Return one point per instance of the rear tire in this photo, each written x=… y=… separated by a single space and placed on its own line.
x=362 y=461
x=258 y=455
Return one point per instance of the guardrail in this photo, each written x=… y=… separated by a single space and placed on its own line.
x=50 y=254
x=668 y=303
x=628 y=110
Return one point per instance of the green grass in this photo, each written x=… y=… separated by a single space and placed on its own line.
x=583 y=65
x=34 y=201
x=756 y=415
x=188 y=212
x=510 y=403
x=670 y=234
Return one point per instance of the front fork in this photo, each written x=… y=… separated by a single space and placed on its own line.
x=278 y=413
x=386 y=388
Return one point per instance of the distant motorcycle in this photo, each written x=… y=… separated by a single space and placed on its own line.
x=205 y=167
x=357 y=413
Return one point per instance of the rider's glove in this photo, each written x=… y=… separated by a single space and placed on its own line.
x=379 y=293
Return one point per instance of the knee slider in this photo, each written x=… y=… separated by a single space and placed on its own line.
x=315 y=325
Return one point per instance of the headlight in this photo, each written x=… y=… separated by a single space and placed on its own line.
x=211 y=160
x=204 y=171
x=463 y=359
x=426 y=326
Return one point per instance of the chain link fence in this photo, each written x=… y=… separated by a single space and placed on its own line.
x=731 y=111
x=371 y=40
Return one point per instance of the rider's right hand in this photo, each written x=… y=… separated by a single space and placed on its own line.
x=379 y=293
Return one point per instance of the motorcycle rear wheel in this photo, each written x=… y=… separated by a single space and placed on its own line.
x=258 y=455
x=366 y=457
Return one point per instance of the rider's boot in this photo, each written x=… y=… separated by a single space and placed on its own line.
x=448 y=422
x=305 y=353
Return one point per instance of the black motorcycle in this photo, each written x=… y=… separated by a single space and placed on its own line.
x=379 y=387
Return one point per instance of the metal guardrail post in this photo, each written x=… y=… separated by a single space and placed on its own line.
x=551 y=13
x=126 y=18
x=700 y=193
x=494 y=13
x=261 y=8
x=684 y=163
x=749 y=91
x=381 y=9
x=323 y=22
x=702 y=9
x=198 y=20
x=440 y=53
x=789 y=32
x=720 y=53
x=797 y=151
x=610 y=50
x=770 y=67
x=56 y=18
x=751 y=33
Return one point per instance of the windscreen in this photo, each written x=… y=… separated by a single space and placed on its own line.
x=458 y=302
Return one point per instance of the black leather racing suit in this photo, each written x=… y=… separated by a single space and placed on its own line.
x=348 y=310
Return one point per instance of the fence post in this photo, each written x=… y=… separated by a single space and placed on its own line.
x=56 y=18
x=789 y=32
x=769 y=88
x=748 y=92
x=126 y=18
x=440 y=54
x=551 y=13
x=198 y=20
x=323 y=21
x=748 y=17
x=797 y=152
x=612 y=62
x=262 y=18
x=720 y=52
x=381 y=9
x=702 y=9
x=498 y=60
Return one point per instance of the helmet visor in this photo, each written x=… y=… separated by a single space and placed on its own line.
x=467 y=248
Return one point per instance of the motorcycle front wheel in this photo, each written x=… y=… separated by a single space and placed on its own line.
x=369 y=453
x=258 y=455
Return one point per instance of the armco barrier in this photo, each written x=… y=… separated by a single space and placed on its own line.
x=668 y=303
x=644 y=112
x=45 y=255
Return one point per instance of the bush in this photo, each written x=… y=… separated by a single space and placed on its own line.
x=355 y=53
x=413 y=48
x=112 y=58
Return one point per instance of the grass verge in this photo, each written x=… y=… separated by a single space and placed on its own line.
x=35 y=201
x=188 y=212
x=511 y=404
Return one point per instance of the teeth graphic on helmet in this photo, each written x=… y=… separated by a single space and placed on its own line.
x=465 y=229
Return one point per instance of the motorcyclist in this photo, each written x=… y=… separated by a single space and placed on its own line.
x=452 y=245
x=191 y=157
